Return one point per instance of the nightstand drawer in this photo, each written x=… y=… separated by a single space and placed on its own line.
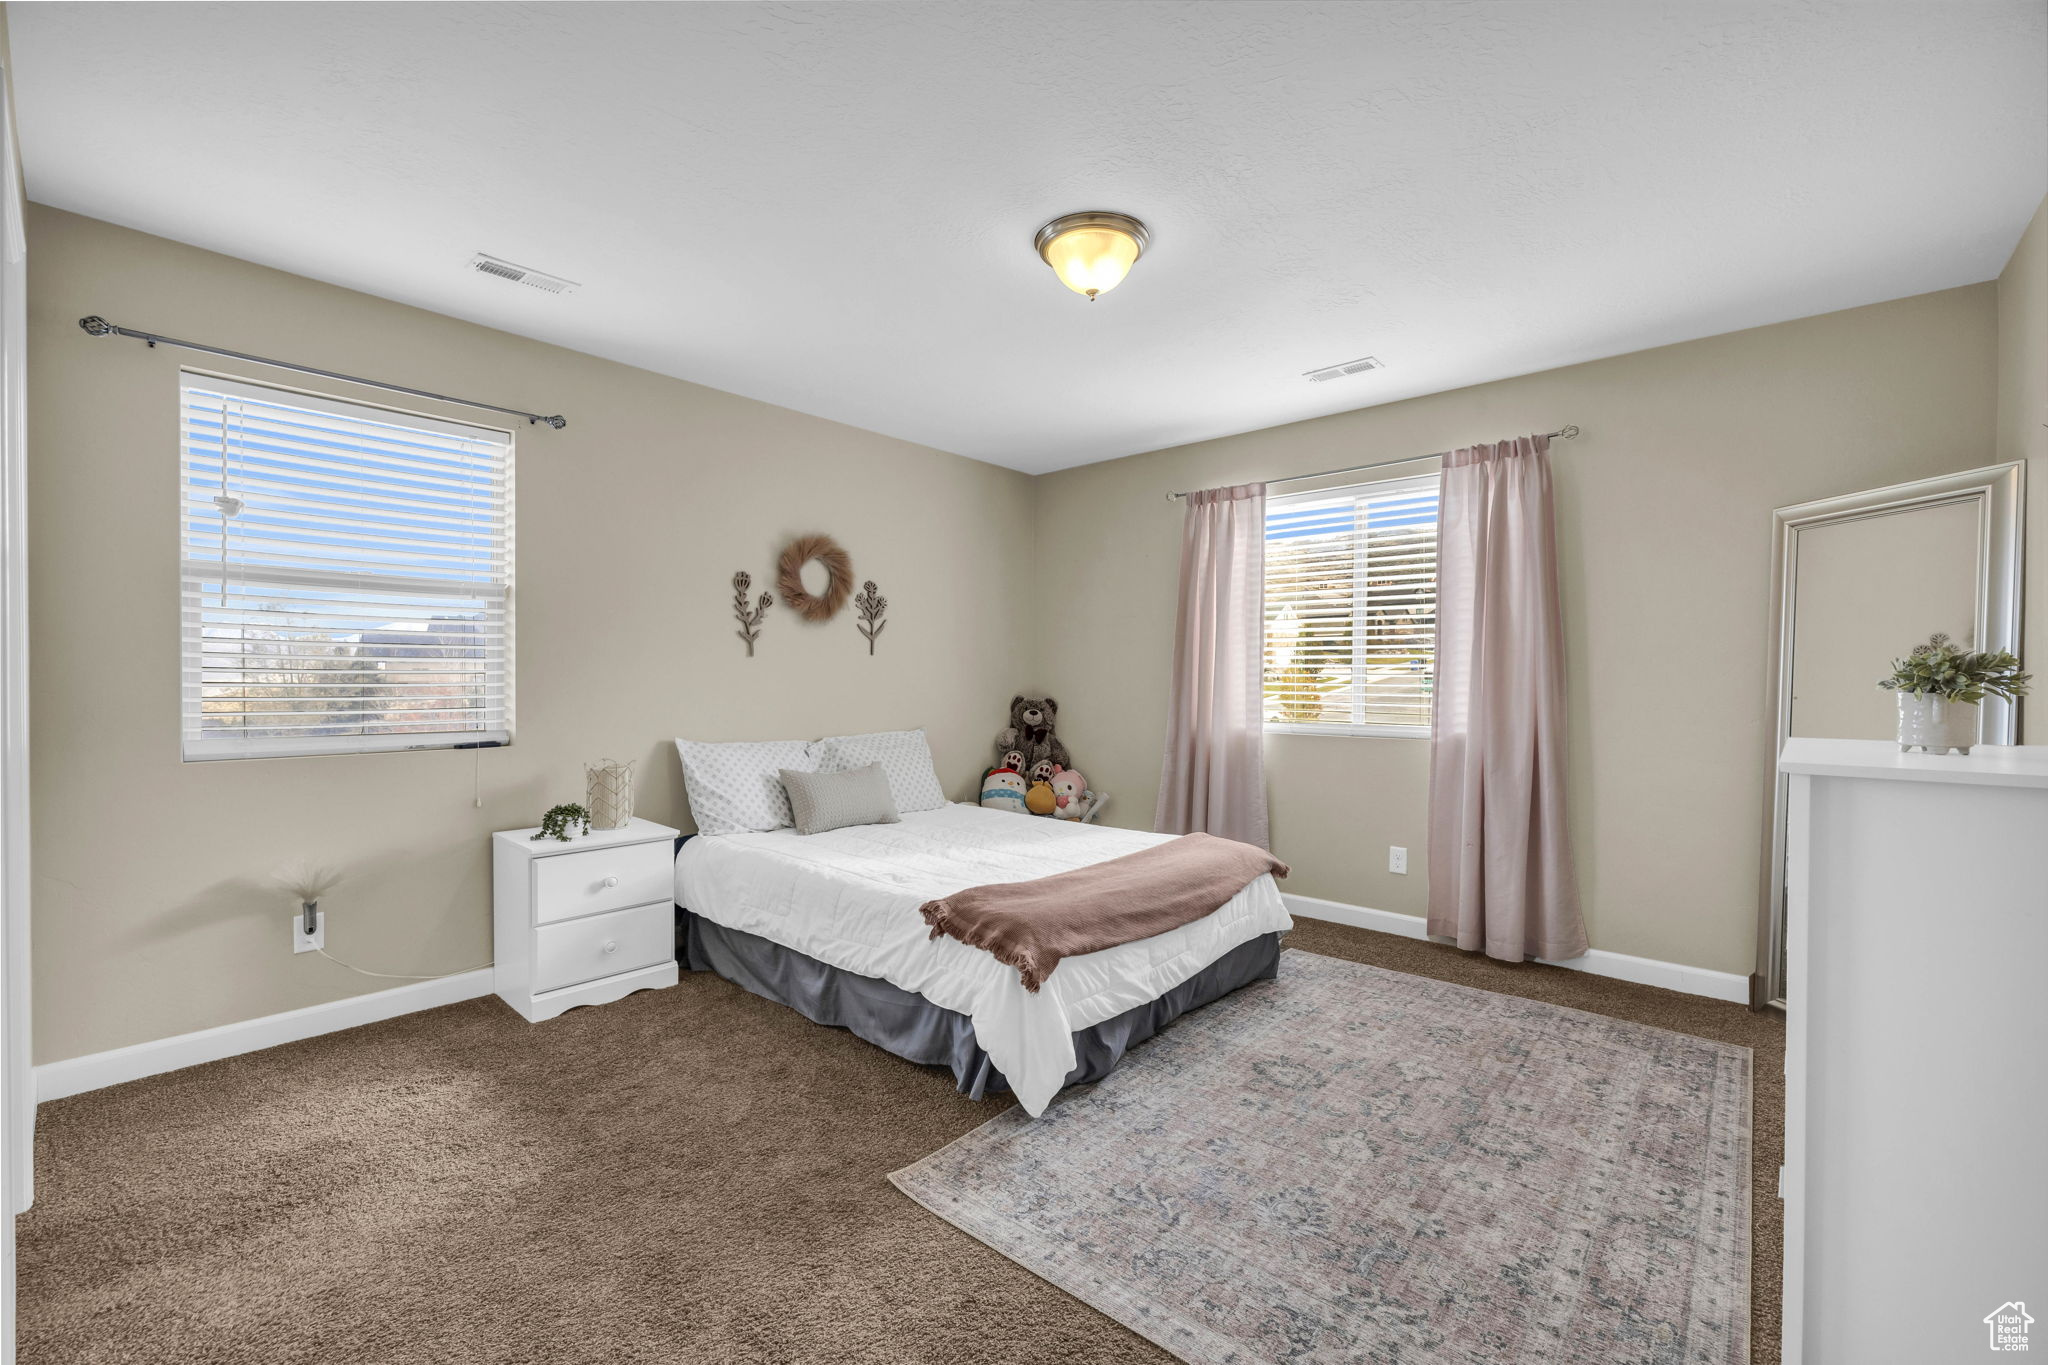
x=603 y=945
x=566 y=885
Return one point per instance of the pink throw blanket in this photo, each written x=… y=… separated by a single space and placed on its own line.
x=1032 y=925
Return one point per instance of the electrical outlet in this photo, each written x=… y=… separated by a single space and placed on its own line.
x=1397 y=858
x=303 y=942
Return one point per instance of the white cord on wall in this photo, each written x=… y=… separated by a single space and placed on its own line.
x=397 y=976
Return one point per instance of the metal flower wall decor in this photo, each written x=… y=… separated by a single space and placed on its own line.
x=748 y=614
x=870 y=604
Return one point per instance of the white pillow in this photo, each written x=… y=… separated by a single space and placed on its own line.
x=737 y=787
x=905 y=758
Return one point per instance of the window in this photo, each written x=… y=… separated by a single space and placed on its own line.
x=1351 y=609
x=347 y=576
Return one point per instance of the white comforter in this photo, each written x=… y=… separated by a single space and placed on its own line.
x=850 y=897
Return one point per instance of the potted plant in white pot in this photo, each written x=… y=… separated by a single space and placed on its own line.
x=1939 y=685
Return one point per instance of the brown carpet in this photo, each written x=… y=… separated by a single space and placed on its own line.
x=686 y=1175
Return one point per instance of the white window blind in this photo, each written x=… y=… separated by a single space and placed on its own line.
x=1350 y=614
x=346 y=576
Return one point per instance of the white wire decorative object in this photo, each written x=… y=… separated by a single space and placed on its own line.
x=609 y=798
x=307 y=883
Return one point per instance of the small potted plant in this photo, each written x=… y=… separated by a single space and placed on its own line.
x=1939 y=685
x=563 y=822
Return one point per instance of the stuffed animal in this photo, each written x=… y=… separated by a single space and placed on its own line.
x=1039 y=799
x=1013 y=760
x=1069 y=791
x=1030 y=730
x=1040 y=771
x=1003 y=789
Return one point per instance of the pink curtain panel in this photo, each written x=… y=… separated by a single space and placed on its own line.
x=1213 y=779
x=1500 y=853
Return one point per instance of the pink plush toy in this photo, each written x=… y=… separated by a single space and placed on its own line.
x=1070 y=791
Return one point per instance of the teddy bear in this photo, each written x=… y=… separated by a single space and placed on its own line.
x=1070 y=791
x=1030 y=731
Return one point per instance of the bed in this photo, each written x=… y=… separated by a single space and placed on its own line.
x=829 y=925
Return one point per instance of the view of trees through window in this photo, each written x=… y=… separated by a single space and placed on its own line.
x=279 y=670
x=1350 y=611
x=345 y=576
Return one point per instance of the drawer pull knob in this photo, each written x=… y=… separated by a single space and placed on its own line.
x=611 y=945
x=611 y=881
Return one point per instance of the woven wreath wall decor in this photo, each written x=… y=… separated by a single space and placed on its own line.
x=789 y=578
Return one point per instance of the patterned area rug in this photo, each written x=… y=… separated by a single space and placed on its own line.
x=1350 y=1164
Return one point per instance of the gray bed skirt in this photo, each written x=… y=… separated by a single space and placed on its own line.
x=915 y=1029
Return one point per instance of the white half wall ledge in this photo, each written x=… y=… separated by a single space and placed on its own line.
x=1643 y=971
x=95 y=1071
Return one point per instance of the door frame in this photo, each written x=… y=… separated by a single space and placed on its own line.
x=1999 y=491
x=17 y=1077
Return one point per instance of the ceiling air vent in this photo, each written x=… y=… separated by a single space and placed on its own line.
x=1358 y=366
x=519 y=274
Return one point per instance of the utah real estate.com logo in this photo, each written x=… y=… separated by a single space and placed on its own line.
x=2008 y=1325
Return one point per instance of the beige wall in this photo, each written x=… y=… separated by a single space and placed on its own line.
x=2023 y=435
x=151 y=917
x=151 y=914
x=1664 y=508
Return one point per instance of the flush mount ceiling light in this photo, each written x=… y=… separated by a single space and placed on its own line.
x=1092 y=252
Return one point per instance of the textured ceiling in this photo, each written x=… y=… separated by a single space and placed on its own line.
x=830 y=206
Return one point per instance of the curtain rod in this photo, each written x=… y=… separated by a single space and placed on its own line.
x=100 y=327
x=1564 y=433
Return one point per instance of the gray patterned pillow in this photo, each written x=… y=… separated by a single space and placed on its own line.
x=822 y=801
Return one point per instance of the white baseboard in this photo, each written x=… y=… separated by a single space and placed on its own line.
x=55 y=1080
x=1644 y=971
x=1337 y=912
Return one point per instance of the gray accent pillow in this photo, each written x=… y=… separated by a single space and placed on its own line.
x=905 y=757
x=822 y=801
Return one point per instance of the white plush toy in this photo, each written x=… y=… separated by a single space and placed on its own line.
x=1003 y=789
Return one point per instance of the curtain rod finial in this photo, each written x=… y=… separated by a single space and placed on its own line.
x=96 y=326
x=1567 y=432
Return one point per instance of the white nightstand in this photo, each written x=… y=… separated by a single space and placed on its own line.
x=583 y=922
